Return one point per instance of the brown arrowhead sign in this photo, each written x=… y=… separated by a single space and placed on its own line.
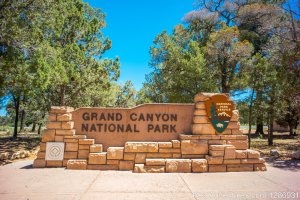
x=219 y=111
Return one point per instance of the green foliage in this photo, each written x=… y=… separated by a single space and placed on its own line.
x=243 y=108
x=226 y=55
x=179 y=70
x=126 y=95
x=77 y=37
x=141 y=97
x=51 y=54
x=182 y=67
x=4 y=120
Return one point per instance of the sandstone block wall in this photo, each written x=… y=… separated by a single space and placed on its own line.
x=203 y=150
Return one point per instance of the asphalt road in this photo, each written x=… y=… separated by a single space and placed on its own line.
x=20 y=181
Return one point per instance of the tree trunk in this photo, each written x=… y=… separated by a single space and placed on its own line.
x=293 y=29
x=260 y=117
x=250 y=118
x=271 y=120
x=17 y=106
x=296 y=126
x=270 y=135
x=291 y=131
x=40 y=128
x=224 y=85
x=23 y=115
x=33 y=127
x=291 y=128
x=259 y=128
x=22 y=124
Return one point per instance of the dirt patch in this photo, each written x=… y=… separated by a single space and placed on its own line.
x=25 y=146
x=284 y=144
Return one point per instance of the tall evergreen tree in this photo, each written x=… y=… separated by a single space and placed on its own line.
x=53 y=49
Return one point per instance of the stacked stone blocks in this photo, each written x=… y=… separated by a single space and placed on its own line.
x=202 y=125
x=60 y=128
x=203 y=150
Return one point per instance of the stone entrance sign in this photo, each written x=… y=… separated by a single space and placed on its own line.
x=200 y=137
x=148 y=122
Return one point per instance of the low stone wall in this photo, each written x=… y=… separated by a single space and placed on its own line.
x=203 y=150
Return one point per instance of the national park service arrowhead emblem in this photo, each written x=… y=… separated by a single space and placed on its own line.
x=219 y=111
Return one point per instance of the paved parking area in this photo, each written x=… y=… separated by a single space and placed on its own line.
x=20 y=181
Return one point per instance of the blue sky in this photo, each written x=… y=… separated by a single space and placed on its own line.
x=132 y=26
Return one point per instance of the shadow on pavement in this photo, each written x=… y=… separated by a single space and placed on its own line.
x=30 y=166
x=292 y=165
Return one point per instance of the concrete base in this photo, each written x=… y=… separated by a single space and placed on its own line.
x=20 y=181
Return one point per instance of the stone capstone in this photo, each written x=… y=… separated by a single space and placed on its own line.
x=77 y=164
x=194 y=147
x=140 y=147
x=199 y=165
x=178 y=165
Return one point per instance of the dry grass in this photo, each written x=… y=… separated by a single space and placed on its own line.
x=282 y=143
x=25 y=141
